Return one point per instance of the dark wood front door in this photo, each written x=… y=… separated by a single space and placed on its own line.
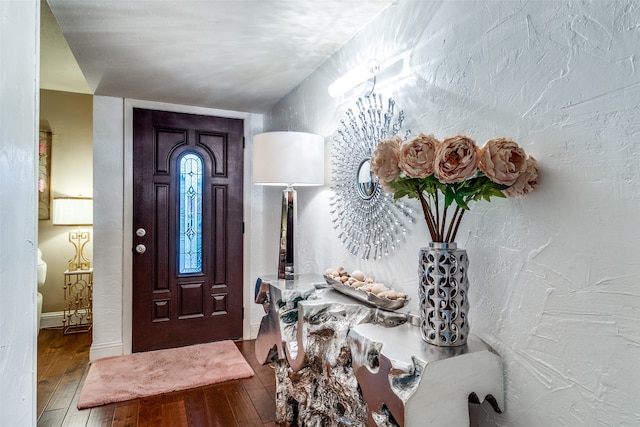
x=187 y=224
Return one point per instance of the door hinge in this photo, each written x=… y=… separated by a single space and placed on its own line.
x=242 y=227
x=243 y=142
x=242 y=313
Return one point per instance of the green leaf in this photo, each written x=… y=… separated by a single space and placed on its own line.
x=399 y=194
x=465 y=192
x=449 y=196
x=496 y=192
x=461 y=202
x=477 y=188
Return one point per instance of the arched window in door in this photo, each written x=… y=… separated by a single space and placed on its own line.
x=190 y=217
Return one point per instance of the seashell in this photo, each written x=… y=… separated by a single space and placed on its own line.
x=389 y=294
x=368 y=280
x=377 y=288
x=358 y=275
x=366 y=287
x=358 y=284
x=329 y=272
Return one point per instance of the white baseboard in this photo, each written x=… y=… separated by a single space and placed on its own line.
x=254 y=331
x=52 y=319
x=108 y=349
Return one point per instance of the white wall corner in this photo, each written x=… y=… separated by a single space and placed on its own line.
x=20 y=52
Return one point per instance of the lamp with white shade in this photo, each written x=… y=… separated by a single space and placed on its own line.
x=288 y=159
x=76 y=211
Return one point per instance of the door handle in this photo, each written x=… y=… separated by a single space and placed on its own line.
x=141 y=248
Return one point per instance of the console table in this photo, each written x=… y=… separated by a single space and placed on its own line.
x=339 y=361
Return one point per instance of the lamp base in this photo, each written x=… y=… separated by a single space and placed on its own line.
x=286 y=265
x=79 y=239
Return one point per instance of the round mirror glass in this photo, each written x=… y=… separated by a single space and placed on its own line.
x=367 y=181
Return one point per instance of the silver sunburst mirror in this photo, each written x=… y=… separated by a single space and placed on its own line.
x=370 y=223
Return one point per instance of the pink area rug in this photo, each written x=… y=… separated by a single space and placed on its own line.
x=119 y=378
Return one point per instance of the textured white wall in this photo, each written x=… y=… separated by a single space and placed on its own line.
x=554 y=275
x=19 y=63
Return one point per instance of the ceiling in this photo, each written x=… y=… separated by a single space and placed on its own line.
x=241 y=55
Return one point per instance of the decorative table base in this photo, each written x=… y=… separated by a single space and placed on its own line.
x=342 y=363
x=420 y=384
x=78 y=294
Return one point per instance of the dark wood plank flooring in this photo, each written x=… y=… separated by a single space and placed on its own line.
x=63 y=363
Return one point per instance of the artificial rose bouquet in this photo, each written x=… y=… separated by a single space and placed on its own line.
x=452 y=171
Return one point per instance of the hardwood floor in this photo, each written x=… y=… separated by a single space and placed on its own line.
x=63 y=363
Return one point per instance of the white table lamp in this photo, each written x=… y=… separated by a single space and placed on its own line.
x=75 y=211
x=288 y=159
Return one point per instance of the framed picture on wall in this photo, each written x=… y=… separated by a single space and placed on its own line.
x=44 y=175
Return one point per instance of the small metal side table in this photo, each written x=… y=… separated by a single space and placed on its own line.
x=78 y=293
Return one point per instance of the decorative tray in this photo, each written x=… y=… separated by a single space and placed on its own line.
x=367 y=297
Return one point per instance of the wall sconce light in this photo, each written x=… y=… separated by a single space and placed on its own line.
x=75 y=211
x=288 y=159
x=354 y=78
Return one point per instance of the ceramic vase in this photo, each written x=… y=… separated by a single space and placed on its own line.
x=443 y=291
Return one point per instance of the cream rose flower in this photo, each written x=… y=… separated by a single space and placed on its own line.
x=527 y=181
x=456 y=159
x=417 y=156
x=384 y=162
x=502 y=160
